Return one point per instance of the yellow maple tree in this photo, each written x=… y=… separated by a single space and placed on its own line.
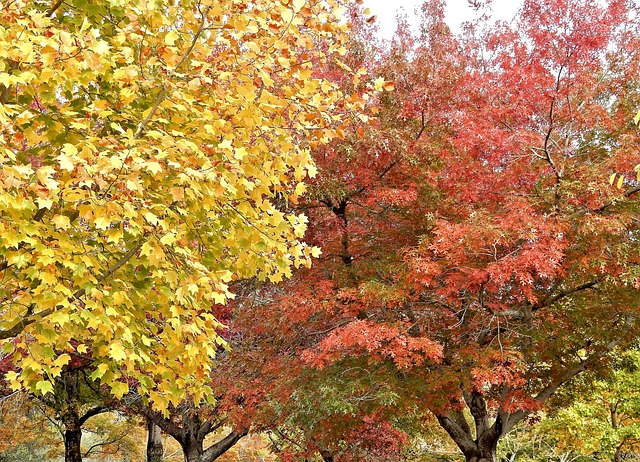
x=144 y=147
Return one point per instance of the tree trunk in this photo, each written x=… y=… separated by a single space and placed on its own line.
x=72 y=441
x=192 y=448
x=194 y=451
x=327 y=456
x=155 y=450
x=486 y=457
x=71 y=418
x=482 y=448
x=617 y=457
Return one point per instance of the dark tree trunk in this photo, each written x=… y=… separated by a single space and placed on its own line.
x=155 y=450
x=327 y=456
x=484 y=451
x=482 y=447
x=72 y=441
x=71 y=418
x=191 y=448
x=194 y=451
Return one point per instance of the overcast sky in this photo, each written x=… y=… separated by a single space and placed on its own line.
x=457 y=12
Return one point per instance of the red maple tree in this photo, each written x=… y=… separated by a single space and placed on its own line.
x=472 y=248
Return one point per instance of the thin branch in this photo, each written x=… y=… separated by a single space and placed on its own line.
x=31 y=317
x=161 y=95
x=53 y=8
x=93 y=412
x=422 y=127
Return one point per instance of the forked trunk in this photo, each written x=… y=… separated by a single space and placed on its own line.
x=480 y=445
x=194 y=451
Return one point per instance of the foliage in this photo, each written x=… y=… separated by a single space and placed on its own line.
x=25 y=432
x=31 y=431
x=145 y=148
x=608 y=415
x=472 y=251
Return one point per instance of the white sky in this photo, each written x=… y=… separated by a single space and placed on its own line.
x=457 y=11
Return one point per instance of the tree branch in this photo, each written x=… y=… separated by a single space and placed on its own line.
x=564 y=293
x=166 y=425
x=93 y=412
x=216 y=450
x=550 y=389
x=161 y=95
x=31 y=317
x=53 y=8
x=462 y=438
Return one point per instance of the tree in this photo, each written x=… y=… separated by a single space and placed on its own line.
x=607 y=415
x=155 y=449
x=189 y=426
x=347 y=412
x=503 y=266
x=75 y=400
x=146 y=147
x=25 y=433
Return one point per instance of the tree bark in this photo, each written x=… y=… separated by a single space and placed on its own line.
x=194 y=451
x=72 y=445
x=71 y=417
x=482 y=448
x=155 y=451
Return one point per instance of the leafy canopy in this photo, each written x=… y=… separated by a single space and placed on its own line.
x=144 y=149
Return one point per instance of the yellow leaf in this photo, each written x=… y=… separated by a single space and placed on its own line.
x=101 y=47
x=298 y=4
x=171 y=37
x=145 y=250
x=239 y=153
x=612 y=178
x=70 y=149
x=151 y=218
x=102 y=222
x=119 y=389
x=44 y=387
x=168 y=239
x=65 y=163
x=117 y=352
x=61 y=222
x=620 y=181
x=154 y=167
x=287 y=15
x=62 y=360
x=44 y=203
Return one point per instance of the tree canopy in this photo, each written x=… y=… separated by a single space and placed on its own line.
x=146 y=149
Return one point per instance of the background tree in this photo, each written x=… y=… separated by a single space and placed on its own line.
x=603 y=420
